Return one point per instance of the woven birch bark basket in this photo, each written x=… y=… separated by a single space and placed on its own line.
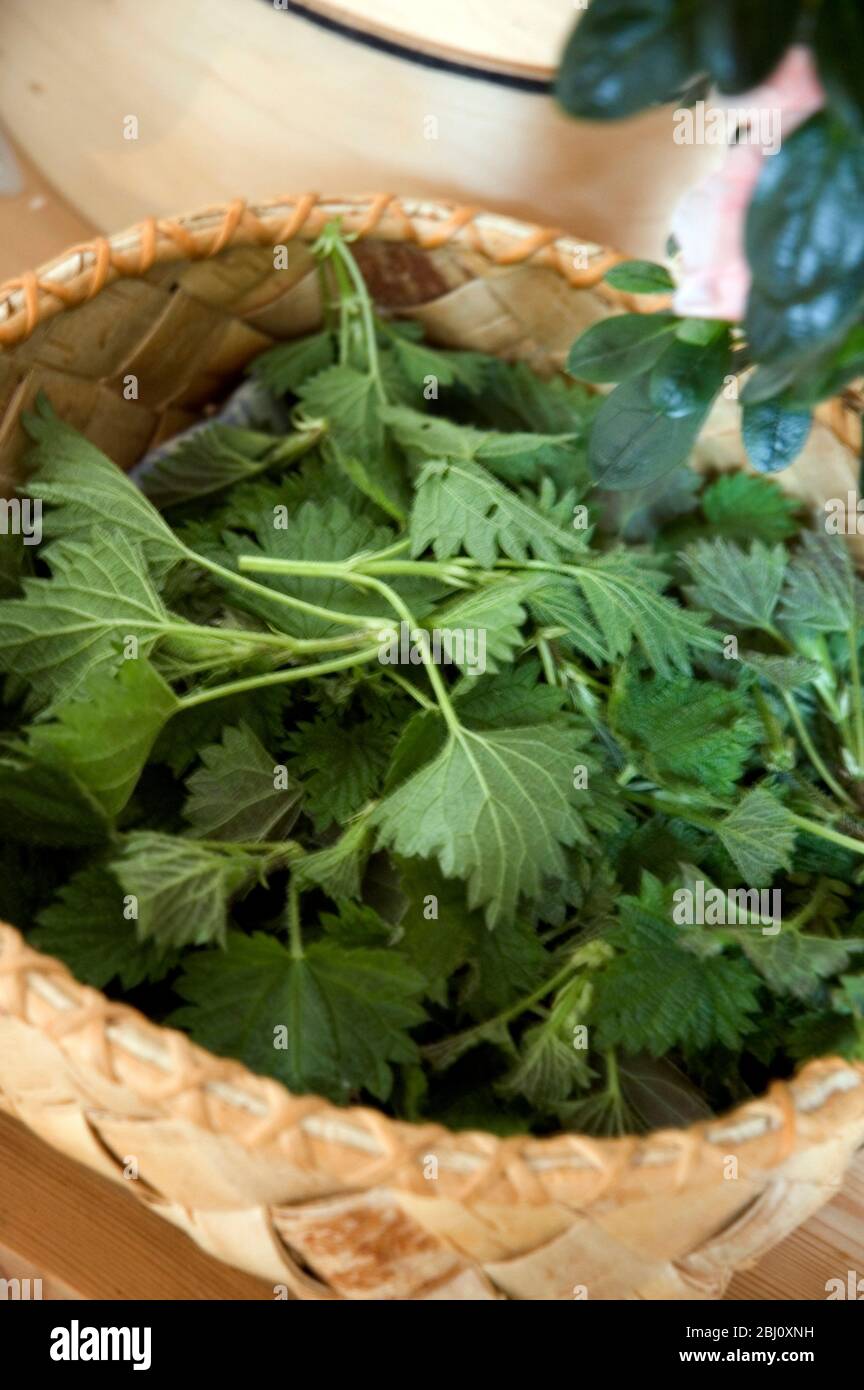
x=332 y=1203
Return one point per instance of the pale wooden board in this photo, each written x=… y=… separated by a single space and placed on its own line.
x=500 y=35
x=237 y=99
x=36 y=223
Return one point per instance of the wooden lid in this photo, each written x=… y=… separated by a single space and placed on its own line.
x=508 y=37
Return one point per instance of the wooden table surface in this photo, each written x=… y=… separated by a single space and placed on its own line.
x=85 y=1236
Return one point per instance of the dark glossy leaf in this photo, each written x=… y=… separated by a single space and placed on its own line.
x=640 y=277
x=774 y=434
x=688 y=376
x=742 y=41
x=633 y=442
x=805 y=241
x=839 y=44
x=620 y=347
x=624 y=55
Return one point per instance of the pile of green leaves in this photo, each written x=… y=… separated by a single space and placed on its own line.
x=804 y=327
x=446 y=892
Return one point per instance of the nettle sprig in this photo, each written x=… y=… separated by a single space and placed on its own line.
x=798 y=331
x=443 y=883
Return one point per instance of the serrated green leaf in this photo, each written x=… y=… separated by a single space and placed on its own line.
x=345 y=1012
x=461 y=507
x=105 y=738
x=348 y=401
x=285 y=367
x=794 y=962
x=83 y=489
x=759 y=834
x=182 y=888
x=69 y=628
x=516 y=456
x=656 y=995
x=744 y=508
x=495 y=808
x=86 y=927
x=683 y=733
x=43 y=804
x=740 y=586
x=339 y=766
x=216 y=458
x=239 y=794
x=338 y=868
x=821 y=590
x=497 y=612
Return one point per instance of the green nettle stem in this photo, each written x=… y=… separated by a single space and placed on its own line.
x=812 y=753
x=528 y=1001
x=824 y=832
x=368 y=581
x=293 y=673
x=331 y=615
x=858 y=710
x=685 y=812
x=294 y=931
x=357 y=576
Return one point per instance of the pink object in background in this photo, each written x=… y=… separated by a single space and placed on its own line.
x=708 y=223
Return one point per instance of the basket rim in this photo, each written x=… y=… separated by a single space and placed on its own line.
x=358 y=1145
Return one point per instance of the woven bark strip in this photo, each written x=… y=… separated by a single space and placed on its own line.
x=335 y=1203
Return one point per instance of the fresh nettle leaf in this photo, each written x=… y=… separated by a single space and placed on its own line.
x=71 y=627
x=105 y=738
x=215 y=458
x=182 y=889
x=683 y=733
x=499 y=612
x=461 y=507
x=515 y=456
x=99 y=606
x=339 y=766
x=795 y=962
x=759 y=834
x=83 y=489
x=615 y=603
x=743 y=508
x=326 y=533
x=739 y=586
x=41 y=803
x=239 y=793
x=288 y=365
x=656 y=995
x=331 y=1020
x=422 y=364
x=348 y=400
x=338 y=867
x=88 y=925
x=821 y=589
x=495 y=808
